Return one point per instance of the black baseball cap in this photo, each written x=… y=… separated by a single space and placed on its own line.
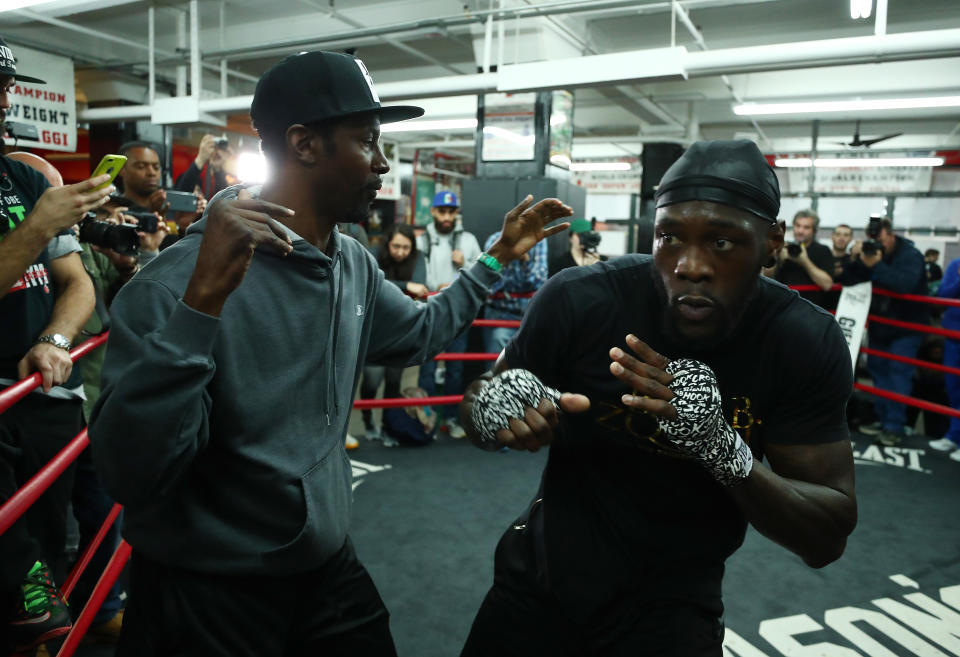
x=319 y=85
x=733 y=173
x=8 y=65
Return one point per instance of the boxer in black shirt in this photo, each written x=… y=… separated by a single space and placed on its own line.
x=681 y=372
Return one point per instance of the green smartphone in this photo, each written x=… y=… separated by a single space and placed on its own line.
x=110 y=164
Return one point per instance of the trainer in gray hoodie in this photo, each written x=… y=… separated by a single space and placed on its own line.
x=223 y=437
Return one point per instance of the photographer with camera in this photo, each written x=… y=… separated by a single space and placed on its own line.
x=206 y=173
x=117 y=242
x=584 y=241
x=805 y=261
x=892 y=263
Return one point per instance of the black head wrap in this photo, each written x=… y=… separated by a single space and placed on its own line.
x=733 y=173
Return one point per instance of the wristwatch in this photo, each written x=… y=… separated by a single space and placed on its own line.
x=57 y=340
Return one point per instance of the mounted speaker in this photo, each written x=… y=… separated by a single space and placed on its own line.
x=656 y=159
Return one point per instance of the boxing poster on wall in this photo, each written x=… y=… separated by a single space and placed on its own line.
x=43 y=115
x=863 y=180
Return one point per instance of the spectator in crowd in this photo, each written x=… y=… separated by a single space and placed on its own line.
x=897 y=267
x=841 y=238
x=141 y=177
x=577 y=255
x=806 y=261
x=46 y=299
x=403 y=266
x=233 y=358
x=446 y=248
x=510 y=296
x=206 y=174
x=950 y=289
x=934 y=272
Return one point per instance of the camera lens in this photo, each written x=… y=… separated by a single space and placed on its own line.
x=794 y=250
x=122 y=239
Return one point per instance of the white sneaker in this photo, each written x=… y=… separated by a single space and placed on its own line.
x=943 y=445
x=455 y=430
x=350 y=442
x=955 y=455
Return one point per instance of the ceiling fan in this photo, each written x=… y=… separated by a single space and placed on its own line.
x=866 y=143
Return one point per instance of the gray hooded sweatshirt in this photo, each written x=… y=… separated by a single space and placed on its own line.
x=223 y=437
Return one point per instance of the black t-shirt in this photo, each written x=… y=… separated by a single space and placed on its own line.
x=26 y=308
x=831 y=299
x=623 y=509
x=793 y=274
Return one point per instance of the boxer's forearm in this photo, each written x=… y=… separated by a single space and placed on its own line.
x=811 y=520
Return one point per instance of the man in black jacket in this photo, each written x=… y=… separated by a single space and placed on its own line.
x=897 y=267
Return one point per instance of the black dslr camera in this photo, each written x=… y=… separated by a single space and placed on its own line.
x=589 y=241
x=794 y=249
x=872 y=244
x=147 y=222
x=123 y=239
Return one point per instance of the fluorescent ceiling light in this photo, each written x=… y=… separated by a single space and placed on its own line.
x=860 y=8
x=430 y=126
x=817 y=107
x=10 y=5
x=852 y=162
x=600 y=166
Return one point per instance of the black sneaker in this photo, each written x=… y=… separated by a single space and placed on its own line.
x=872 y=429
x=889 y=439
x=41 y=613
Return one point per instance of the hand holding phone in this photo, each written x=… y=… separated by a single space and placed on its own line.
x=181 y=201
x=110 y=165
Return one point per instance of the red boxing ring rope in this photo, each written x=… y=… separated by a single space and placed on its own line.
x=912 y=361
x=78 y=568
x=503 y=323
x=465 y=356
x=109 y=576
x=403 y=402
x=11 y=395
x=24 y=498
x=937 y=301
x=909 y=401
x=921 y=328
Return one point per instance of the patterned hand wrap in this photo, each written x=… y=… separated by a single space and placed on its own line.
x=505 y=397
x=700 y=429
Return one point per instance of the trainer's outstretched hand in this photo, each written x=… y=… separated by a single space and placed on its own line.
x=525 y=225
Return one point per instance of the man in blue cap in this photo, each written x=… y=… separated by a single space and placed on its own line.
x=446 y=248
x=682 y=374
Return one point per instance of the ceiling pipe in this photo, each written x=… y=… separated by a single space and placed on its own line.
x=929 y=44
x=475 y=17
x=98 y=34
x=827 y=52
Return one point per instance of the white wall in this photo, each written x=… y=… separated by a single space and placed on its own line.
x=608 y=206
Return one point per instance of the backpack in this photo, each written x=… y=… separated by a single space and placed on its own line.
x=415 y=425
